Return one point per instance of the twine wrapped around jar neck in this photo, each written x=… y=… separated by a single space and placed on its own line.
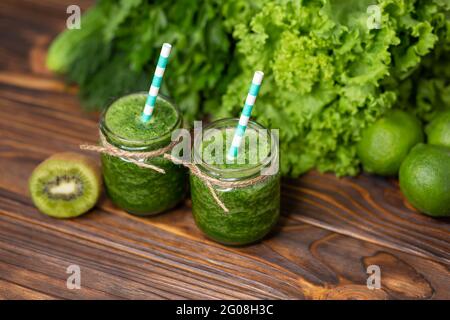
x=138 y=158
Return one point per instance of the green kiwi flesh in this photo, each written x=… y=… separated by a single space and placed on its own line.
x=65 y=185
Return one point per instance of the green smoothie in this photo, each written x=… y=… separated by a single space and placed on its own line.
x=137 y=190
x=254 y=209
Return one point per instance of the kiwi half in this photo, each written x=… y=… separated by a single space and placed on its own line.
x=65 y=185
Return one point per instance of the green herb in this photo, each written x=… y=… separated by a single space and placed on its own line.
x=116 y=50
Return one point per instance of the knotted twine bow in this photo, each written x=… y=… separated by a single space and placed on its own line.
x=138 y=159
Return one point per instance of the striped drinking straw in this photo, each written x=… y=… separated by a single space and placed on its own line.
x=245 y=115
x=156 y=82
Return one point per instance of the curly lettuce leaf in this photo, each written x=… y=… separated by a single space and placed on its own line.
x=327 y=76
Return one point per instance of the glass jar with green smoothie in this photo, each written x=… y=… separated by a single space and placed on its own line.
x=253 y=209
x=137 y=190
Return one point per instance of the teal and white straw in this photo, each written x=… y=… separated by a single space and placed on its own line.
x=156 y=82
x=245 y=115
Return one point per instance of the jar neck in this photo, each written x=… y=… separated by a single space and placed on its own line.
x=236 y=173
x=138 y=146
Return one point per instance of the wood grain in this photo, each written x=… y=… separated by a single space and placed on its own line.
x=331 y=230
x=368 y=208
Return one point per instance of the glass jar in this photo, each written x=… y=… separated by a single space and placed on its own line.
x=137 y=190
x=253 y=210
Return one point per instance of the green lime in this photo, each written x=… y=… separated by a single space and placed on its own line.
x=385 y=144
x=438 y=131
x=425 y=179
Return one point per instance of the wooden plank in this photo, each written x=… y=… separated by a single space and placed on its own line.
x=368 y=208
x=167 y=257
x=12 y=291
x=162 y=251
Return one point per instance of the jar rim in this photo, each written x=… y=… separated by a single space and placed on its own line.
x=233 y=174
x=138 y=144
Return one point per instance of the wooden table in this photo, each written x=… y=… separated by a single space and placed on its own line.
x=331 y=230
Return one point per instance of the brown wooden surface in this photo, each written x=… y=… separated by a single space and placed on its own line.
x=331 y=229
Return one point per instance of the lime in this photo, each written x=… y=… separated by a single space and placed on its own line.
x=385 y=144
x=438 y=131
x=425 y=179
